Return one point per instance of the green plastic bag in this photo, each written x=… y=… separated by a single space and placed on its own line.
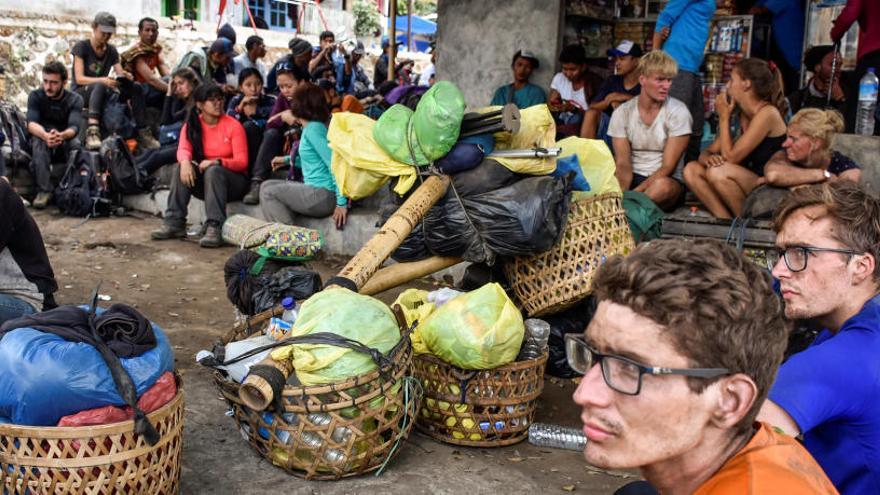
x=478 y=330
x=645 y=218
x=347 y=314
x=391 y=131
x=437 y=119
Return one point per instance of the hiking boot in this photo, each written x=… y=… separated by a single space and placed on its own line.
x=42 y=200
x=93 y=138
x=253 y=196
x=145 y=139
x=212 y=237
x=168 y=232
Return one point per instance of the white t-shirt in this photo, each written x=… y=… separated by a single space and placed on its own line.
x=564 y=87
x=647 y=142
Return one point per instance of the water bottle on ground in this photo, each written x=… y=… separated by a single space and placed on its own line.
x=535 y=341
x=867 y=103
x=290 y=310
x=557 y=437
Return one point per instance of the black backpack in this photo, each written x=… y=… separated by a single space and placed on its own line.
x=125 y=175
x=84 y=190
x=13 y=125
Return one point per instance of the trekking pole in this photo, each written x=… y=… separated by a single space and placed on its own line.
x=836 y=51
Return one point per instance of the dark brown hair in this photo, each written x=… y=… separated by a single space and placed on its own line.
x=766 y=81
x=854 y=212
x=308 y=103
x=717 y=307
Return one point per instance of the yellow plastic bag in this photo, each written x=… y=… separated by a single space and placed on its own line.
x=360 y=166
x=597 y=164
x=537 y=128
x=478 y=330
x=415 y=306
x=347 y=314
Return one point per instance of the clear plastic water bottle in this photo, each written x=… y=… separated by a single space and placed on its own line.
x=290 y=310
x=535 y=341
x=867 y=103
x=557 y=437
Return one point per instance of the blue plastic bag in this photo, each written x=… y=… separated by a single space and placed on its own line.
x=44 y=377
x=568 y=164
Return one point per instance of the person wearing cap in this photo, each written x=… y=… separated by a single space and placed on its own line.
x=616 y=90
x=350 y=76
x=212 y=63
x=213 y=158
x=521 y=92
x=819 y=60
x=380 y=70
x=228 y=32
x=92 y=60
x=255 y=50
x=300 y=55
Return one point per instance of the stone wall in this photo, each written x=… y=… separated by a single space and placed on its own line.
x=476 y=40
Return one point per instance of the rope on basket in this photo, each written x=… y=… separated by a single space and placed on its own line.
x=412 y=390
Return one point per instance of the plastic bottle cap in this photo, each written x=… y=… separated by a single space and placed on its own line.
x=871 y=70
x=288 y=303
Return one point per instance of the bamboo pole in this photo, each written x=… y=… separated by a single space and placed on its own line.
x=371 y=256
x=392 y=41
x=256 y=392
x=401 y=273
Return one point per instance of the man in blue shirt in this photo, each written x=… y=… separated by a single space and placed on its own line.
x=521 y=92
x=687 y=24
x=787 y=25
x=827 y=247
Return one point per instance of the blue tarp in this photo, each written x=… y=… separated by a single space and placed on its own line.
x=423 y=31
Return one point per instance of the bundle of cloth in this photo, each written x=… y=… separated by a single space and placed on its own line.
x=77 y=358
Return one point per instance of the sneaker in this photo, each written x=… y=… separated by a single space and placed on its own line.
x=168 y=232
x=145 y=139
x=253 y=196
x=93 y=138
x=42 y=200
x=212 y=237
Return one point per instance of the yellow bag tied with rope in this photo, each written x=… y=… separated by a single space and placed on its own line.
x=416 y=308
x=537 y=129
x=479 y=330
x=347 y=314
x=597 y=164
x=360 y=166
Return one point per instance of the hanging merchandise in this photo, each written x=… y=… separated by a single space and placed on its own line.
x=479 y=330
x=346 y=314
x=360 y=166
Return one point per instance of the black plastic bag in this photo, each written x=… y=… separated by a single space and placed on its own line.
x=413 y=248
x=489 y=175
x=524 y=218
x=573 y=320
x=293 y=281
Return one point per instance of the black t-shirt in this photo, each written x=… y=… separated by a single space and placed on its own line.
x=61 y=114
x=614 y=84
x=94 y=66
x=840 y=163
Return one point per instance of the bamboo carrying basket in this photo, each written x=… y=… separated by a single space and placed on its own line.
x=557 y=279
x=94 y=460
x=478 y=408
x=331 y=431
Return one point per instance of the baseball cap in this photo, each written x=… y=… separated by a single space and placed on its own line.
x=222 y=45
x=358 y=48
x=299 y=46
x=626 y=47
x=106 y=22
x=528 y=55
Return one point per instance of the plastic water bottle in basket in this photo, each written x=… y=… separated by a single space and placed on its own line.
x=535 y=343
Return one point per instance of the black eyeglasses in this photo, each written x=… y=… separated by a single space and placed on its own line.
x=623 y=374
x=796 y=256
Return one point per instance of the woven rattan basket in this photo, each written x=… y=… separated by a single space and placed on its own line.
x=485 y=408
x=94 y=460
x=557 y=279
x=331 y=431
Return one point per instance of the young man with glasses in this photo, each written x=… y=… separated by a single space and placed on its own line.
x=827 y=247
x=679 y=356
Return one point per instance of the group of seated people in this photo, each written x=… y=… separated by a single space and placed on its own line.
x=651 y=133
x=228 y=124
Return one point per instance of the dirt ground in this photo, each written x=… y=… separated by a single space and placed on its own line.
x=181 y=288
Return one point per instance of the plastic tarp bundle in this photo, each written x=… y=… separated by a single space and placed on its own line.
x=479 y=330
x=347 y=314
x=524 y=218
x=44 y=377
x=596 y=162
x=360 y=166
x=420 y=137
x=537 y=129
